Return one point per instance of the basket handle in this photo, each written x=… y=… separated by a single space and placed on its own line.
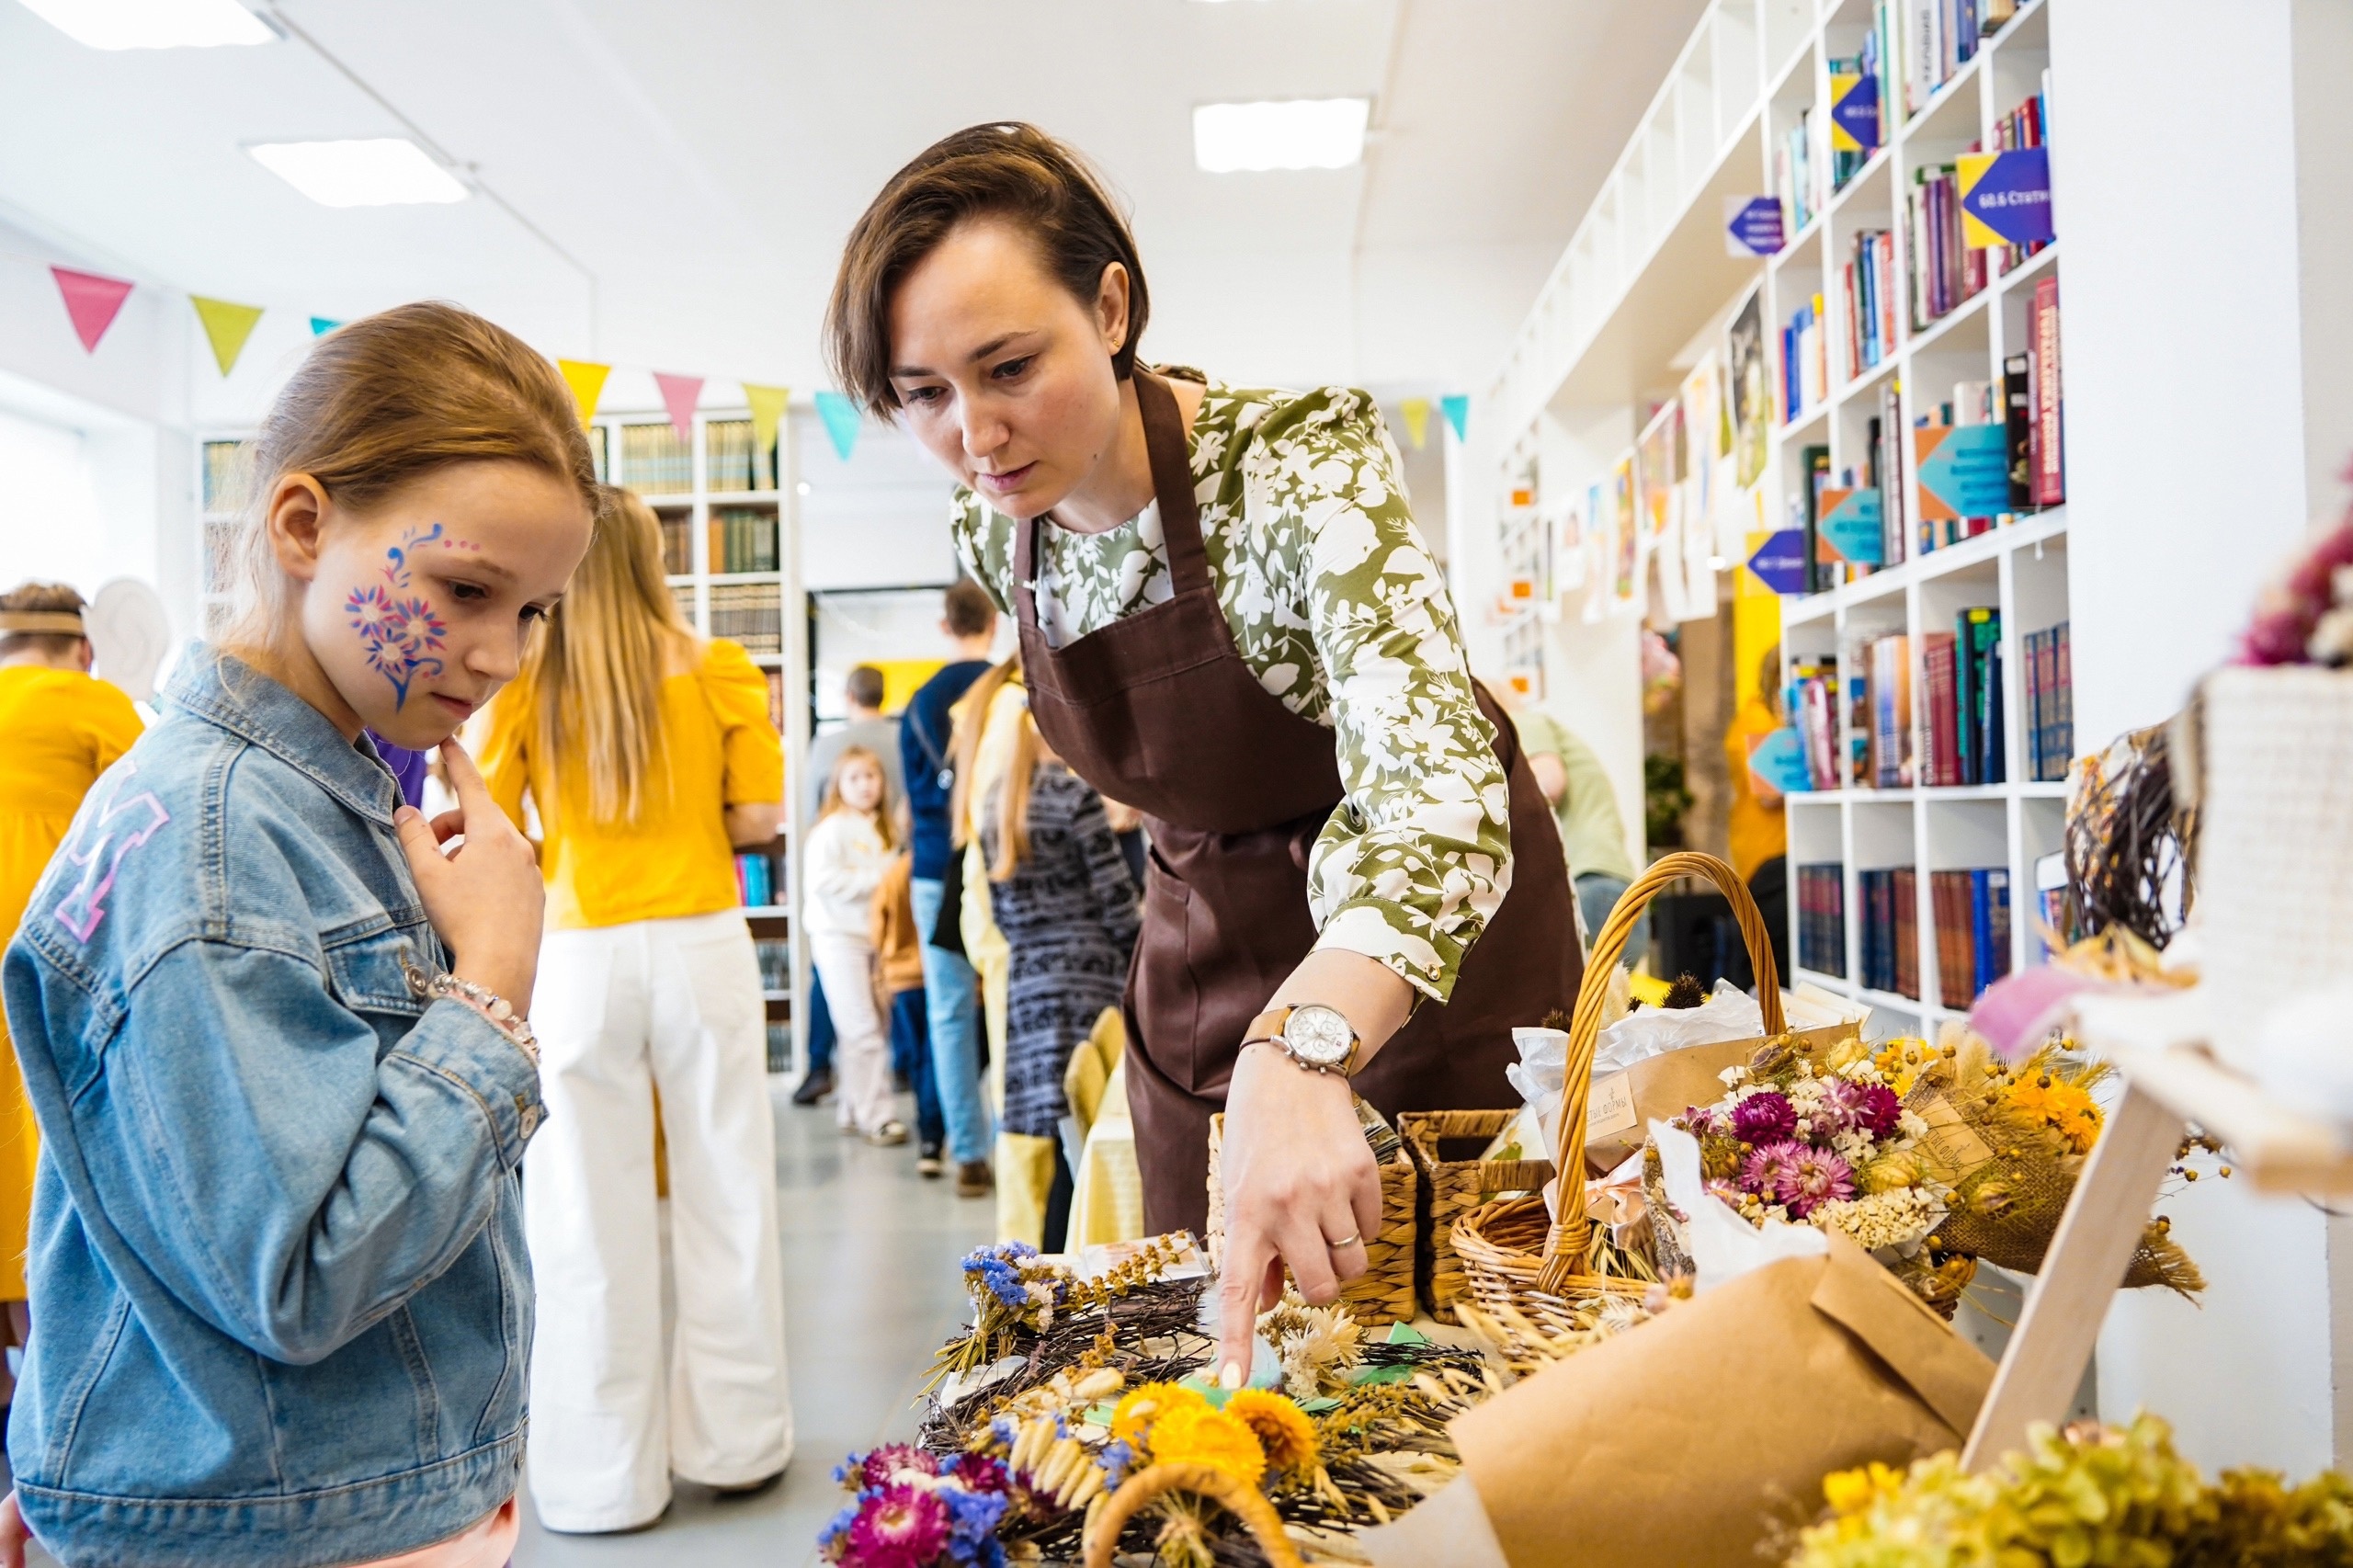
x=1564 y=1248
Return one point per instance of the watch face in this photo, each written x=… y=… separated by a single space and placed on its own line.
x=1319 y=1036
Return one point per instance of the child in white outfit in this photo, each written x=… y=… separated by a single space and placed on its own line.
x=848 y=850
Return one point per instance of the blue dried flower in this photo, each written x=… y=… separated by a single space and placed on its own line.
x=838 y=1526
x=1116 y=1459
x=973 y=1515
x=851 y=1472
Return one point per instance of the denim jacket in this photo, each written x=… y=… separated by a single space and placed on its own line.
x=282 y=1304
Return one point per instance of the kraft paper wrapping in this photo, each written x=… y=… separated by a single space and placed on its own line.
x=1689 y=1439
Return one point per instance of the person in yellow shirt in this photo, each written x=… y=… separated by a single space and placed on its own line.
x=649 y=756
x=1760 y=826
x=60 y=728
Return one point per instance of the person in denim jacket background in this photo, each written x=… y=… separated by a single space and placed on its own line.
x=273 y=1033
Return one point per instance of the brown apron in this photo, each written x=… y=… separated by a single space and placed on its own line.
x=1159 y=709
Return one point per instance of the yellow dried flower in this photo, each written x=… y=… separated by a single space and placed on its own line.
x=2063 y=1106
x=1195 y=1434
x=1131 y=1418
x=1285 y=1434
x=1852 y=1491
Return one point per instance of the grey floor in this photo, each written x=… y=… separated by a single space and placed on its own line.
x=871 y=1288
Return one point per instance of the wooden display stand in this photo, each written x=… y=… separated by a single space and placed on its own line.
x=2158 y=1043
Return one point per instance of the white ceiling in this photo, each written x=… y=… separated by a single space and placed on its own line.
x=700 y=160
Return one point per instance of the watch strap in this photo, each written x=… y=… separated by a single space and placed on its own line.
x=1269 y=1025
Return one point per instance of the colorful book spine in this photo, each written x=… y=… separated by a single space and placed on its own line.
x=1938 y=666
x=1822 y=919
x=2047 y=451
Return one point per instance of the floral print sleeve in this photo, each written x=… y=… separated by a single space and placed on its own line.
x=1338 y=608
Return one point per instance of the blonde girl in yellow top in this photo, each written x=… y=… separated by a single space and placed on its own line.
x=649 y=756
x=60 y=728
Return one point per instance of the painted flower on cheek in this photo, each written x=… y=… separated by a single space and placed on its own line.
x=400 y=636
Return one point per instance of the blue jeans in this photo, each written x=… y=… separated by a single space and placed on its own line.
x=910 y=1054
x=821 y=1028
x=1598 y=895
x=952 y=1001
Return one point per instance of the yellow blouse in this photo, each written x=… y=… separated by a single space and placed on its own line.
x=719 y=750
x=59 y=730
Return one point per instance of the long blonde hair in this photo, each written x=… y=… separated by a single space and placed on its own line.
x=833 y=801
x=965 y=747
x=594 y=674
x=1013 y=797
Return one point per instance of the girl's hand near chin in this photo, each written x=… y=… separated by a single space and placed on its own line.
x=485 y=896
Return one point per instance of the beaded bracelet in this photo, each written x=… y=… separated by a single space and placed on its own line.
x=496 y=1008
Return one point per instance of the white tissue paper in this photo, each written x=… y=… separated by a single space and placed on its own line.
x=1722 y=1246
x=2301 y=1051
x=1543 y=1062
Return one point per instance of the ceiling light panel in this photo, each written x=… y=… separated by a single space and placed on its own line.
x=1296 y=133
x=153 y=24
x=384 y=171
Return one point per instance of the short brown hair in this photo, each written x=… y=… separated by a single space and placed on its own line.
x=40 y=598
x=865 y=685
x=970 y=611
x=390 y=397
x=1044 y=186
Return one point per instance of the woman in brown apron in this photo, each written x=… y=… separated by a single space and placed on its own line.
x=1341 y=824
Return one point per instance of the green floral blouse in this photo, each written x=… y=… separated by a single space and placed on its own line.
x=1338 y=608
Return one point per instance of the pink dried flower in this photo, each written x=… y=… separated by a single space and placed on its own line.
x=1865 y=1107
x=1765 y=1119
x=900 y=1526
x=1768 y=1167
x=1699 y=1121
x=2288 y=609
x=1726 y=1192
x=1815 y=1177
x=883 y=1465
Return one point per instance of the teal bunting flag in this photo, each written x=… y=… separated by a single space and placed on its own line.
x=320 y=327
x=842 y=421
x=1457 y=414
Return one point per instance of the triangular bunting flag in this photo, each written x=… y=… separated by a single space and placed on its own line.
x=767 y=410
x=1457 y=414
x=226 y=327
x=679 y=395
x=320 y=327
x=842 y=421
x=1416 y=411
x=91 y=302
x=587 y=384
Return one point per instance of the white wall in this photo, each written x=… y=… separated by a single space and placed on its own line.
x=2206 y=348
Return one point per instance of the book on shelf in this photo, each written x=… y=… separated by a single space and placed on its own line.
x=1926 y=43
x=1822 y=919
x=775 y=956
x=750 y=613
x=754 y=880
x=1806 y=369
x=1976 y=734
x=1814 y=470
x=2018 y=428
x=2046 y=454
x=1793 y=173
x=733 y=462
x=1939 y=676
x=1812 y=703
x=677 y=543
x=1889 y=660
x=2055 y=926
x=1960 y=466
x=1972 y=910
x=2050 y=704
x=1887 y=465
x=2022 y=127
x=655 y=461
x=1868 y=295
x=1858 y=691
x=1890 y=930
x=742 y=538
x=1945 y=273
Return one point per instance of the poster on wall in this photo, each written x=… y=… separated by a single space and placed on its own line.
x=1656 y=469
x=1672 y=604
x=1749 y=387
x=1704 y=442
x=1568 y=549
x=1625 y=542
x=1599 y=554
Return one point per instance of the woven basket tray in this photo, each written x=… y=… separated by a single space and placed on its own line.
x=1453 y=1188
x=1513 y=1255
x=1383 y=1293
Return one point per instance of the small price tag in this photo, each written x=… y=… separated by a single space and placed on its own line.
x=1610 y=1109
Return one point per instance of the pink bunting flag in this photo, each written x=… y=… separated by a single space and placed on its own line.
x=679 y=395
x=91 y=300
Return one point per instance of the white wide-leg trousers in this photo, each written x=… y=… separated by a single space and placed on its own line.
x=621 y=1011
x=861 y=1045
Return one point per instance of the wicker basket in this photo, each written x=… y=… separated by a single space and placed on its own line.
x=1516 y=1259
x=1383 y=1293
x=1451 y=1188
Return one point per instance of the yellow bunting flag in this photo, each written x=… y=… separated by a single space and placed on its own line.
x=1416 y=411
x=226 y=327
x=587 y=384
x=767 y=410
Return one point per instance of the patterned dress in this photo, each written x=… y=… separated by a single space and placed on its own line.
x=1070 y=915
x=1339 y=610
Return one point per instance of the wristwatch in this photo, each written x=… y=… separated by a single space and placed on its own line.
x=1315 y=1036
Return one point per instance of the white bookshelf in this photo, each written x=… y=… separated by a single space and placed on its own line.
x=1644 y=287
